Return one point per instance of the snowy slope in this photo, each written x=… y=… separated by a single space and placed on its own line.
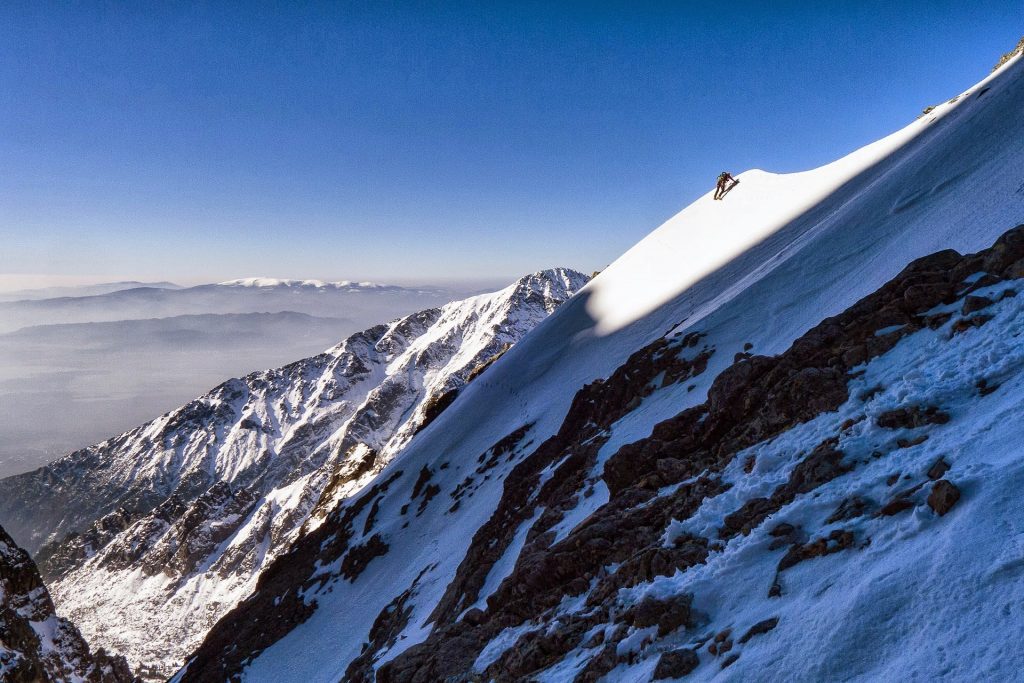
x=519 y=462
x=171 y=523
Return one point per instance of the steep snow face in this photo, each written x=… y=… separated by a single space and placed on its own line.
x=908 y=194
x=172 y=522
x=455 y=522
x=36 y=644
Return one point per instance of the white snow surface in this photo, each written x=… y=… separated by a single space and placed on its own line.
x=778 y=255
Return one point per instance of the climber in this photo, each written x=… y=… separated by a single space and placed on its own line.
x=724 y=180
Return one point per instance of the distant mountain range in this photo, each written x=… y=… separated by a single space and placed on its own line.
x=363 y=302
x=81 y=290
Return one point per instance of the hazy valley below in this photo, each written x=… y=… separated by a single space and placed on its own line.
x=75 y=370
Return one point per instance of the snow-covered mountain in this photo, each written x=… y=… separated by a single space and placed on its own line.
x=37 y=646
x=776 y=440
x=266 y=282
x=150 y=537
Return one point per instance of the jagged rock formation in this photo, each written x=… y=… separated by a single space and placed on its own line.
x=150 y=537
x=777 y=455
x=36 y=645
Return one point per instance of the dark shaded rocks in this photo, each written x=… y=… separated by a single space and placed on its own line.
x=668 y=614
x=383 y=634
x=57 y=559
x=425 y=476
x=938 y=468
x=821 y=466
x=721 y=643
x=895 y=506
x=759 y=628
x=676 y=664
x=849 y=508
x=912 y=417
x=964 y=324
x=984 y=388
x=37 y=646
x=436 y=405
x=943 y=497
x=910 y=443
x=973 y=304
x=282 y=597
x=360 y=556
x=474 y=616
x=838 y=540
x=748 y=517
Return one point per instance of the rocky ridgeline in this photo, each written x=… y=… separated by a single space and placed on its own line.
x=655 y=486
x=36 y=645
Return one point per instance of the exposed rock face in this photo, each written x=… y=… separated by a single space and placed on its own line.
x=147 y=539
x=943 y=497
x=602 y=588
x=35 y=644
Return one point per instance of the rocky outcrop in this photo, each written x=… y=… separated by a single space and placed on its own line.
x=36 y=645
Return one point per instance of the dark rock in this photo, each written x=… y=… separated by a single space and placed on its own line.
x=676 y=664
x=669 y=614
x=912 y=417
x=938 y=469
x=965 y=324
x=849 y=508
x=910 y=443
x=61 y=654
x=984 y=388
x=934 y=322
x=895 y=506
x=973 y=304
x=474 y=616
x=836 y=541
x=943 y=497
x=436 y=405
x=760 y=628
x=730 y=660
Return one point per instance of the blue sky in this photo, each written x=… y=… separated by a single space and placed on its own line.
x=431 y=141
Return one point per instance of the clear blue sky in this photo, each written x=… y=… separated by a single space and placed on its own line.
x=426 y=141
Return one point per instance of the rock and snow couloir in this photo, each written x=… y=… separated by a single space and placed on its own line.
x=759 y=445
x=37 y=646
x=150 y=537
